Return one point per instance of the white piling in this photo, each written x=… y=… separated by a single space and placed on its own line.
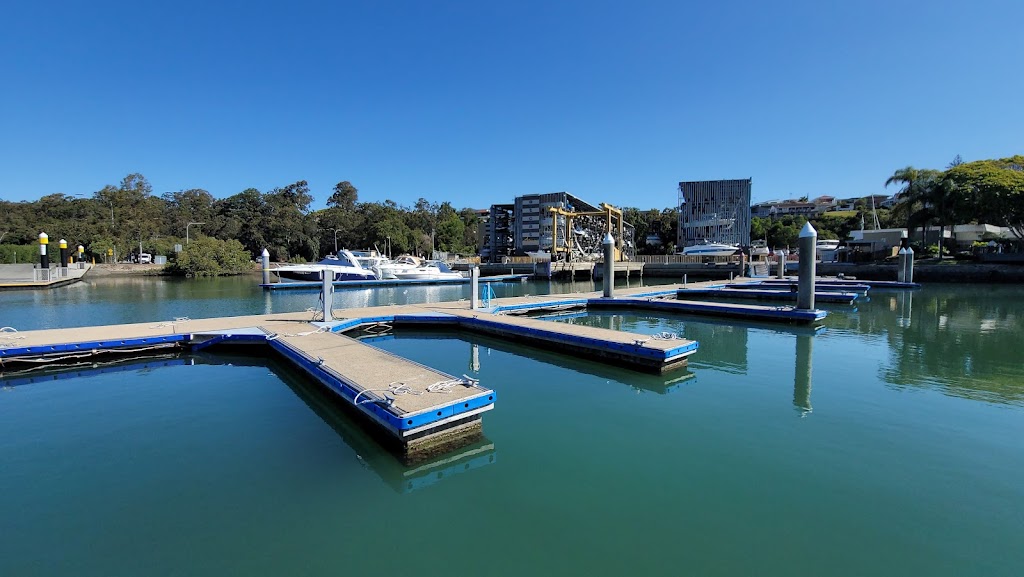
x=265 y=263
x=474 y=287
x=609 y=265
x=910 y=265
x=327 y=295
x=805 y=279
x=901 y=265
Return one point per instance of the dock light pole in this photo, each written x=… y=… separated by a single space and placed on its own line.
x=805 y=280
x=186 y=229
x=609 y=265
x=81 y=256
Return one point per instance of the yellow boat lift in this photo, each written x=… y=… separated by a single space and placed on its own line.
x=608 y=211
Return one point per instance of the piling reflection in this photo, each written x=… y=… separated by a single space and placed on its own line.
x=802 y=375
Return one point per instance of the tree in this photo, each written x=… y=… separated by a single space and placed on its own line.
x=185 y=206
x=915 y=199
x=990 y=191
x=344 y=197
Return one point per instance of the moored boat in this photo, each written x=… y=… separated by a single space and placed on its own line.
x=710 y=249
x=343 y=267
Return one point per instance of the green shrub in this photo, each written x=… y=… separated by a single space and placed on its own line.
x=17 y=253
x=207 y=256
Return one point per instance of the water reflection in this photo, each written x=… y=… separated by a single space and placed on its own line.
x=352 y=431
x=962 y=342
x=724 y=344
x=802 y=374
x=398 y=476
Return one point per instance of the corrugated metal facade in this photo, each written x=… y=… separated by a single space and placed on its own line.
x=714 y=211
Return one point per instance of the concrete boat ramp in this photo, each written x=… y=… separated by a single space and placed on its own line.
x=419 y=411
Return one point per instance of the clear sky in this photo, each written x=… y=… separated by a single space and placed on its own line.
x=477 y=102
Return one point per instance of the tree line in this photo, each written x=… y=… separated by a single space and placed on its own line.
x=127 y=217
x=981 y=192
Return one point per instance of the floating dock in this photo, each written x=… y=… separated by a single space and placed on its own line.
x=859 y=289
x=28 y=276
x=784 y=314
x=751 y=292
x=419 y=411
x=878 y=284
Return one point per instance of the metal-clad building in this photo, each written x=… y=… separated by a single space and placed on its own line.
x=714 y=211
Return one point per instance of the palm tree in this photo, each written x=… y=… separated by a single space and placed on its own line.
x=914 y=200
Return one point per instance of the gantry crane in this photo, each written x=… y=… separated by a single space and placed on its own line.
x=607 y=211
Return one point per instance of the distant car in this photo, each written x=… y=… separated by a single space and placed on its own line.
x=145 y=258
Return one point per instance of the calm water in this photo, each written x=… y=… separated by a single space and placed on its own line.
x=118 y=300
x=887 y=444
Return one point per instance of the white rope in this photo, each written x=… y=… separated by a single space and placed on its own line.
x=400 y=388
x=9 y=334
x=323 y=329
x=396 y=388
x=85 y=354
x=663 y=336
x=171 y=324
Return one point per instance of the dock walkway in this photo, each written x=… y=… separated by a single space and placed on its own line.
x=27 y=276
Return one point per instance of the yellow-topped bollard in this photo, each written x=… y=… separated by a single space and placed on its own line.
x=63 y=244
x=44 y=260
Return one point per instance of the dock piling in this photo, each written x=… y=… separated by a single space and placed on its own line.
x=44 y=260
x=265 y=263
x=609 y=265
x=901 y=266
x=909 y=265
x=327 y=295
x=782 y=264
x=805 y=280
x=474 y=287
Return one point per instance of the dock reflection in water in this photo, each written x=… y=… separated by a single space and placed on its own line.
x=350 y=428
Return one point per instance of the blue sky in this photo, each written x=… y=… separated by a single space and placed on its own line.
x=478 y=102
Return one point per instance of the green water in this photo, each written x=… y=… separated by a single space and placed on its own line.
x=887 y=444
x=119 y=300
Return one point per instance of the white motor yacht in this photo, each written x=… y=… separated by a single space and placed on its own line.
x=710 y=249
x=429 y=270
x=343 y=267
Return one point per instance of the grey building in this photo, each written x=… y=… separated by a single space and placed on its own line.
x=526 y=227
x=533 y=220
x=714 y=211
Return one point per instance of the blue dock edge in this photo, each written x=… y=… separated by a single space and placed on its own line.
x=762 y=313
x=398 y=425
x=634 y=354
